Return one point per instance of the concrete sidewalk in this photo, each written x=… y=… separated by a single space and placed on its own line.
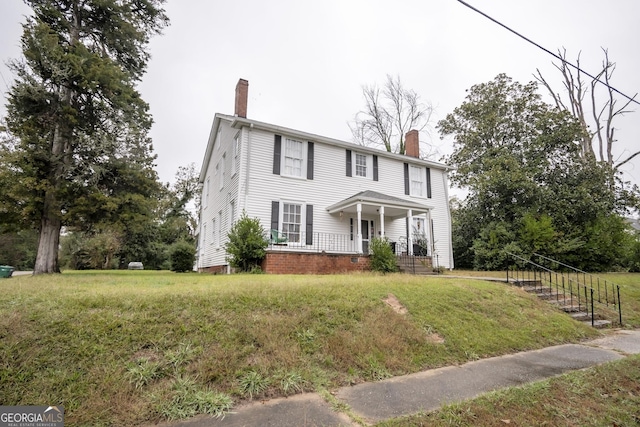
x=425 y=391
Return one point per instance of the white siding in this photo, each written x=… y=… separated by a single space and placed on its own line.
x=255 y=186
x=220 y=197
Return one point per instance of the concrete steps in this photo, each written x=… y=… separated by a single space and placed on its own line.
x=566 y=303
x=420 y=266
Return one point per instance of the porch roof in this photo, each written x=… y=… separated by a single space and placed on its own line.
x=371 y=201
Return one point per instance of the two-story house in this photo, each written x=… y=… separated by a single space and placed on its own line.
x=319 y=199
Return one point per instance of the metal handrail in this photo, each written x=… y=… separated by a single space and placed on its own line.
x=588 y=290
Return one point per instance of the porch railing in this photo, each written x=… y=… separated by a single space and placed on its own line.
x=321 y=242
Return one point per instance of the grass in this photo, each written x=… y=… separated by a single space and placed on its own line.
x=128 y=348
x=629 y=292
x=607 y=395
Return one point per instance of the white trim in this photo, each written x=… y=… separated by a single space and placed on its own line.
x=302 y=224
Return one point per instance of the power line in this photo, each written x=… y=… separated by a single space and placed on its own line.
x=549 y=52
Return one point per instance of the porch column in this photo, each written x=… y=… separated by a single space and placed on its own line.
x=409 y=238
x=382 y=222
x=432 y=242
x=359 y=235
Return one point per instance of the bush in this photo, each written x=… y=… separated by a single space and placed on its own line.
x=183 y=256
x=382 y=257
x=247 y=244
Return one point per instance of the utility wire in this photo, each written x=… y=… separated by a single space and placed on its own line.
x=631 y=99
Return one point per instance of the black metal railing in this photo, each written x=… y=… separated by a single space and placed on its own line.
x=569 y=287
x=416 y=263
x=320 y=242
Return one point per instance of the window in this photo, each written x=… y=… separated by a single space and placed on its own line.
x=419 y=229
x=219 y=229
x=206 y=193
x=293 y=157
x=218 y=142
x=361 y=165
x=204 y=236
x=214 y=233
x=222 y=162
x=417 y=181
x=366 y=165
x=232 y=213
x=236 y=152
x=292 y=221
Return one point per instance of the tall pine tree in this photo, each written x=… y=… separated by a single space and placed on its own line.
x=75 y=115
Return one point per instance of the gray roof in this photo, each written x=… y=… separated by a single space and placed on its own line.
x=370 y=197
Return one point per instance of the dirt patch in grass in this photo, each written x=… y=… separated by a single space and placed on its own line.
x=392 y=301
x=140 y=339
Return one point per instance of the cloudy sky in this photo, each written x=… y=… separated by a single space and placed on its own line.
x=306 y=61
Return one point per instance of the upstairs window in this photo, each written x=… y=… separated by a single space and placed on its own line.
x=417 y=181
x=362 y=165
x=222 y=162
x=292 y=157
x=236 y=153
x=206 y=192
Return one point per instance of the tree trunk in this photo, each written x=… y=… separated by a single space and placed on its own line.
x=48 y=242
x=51 y=221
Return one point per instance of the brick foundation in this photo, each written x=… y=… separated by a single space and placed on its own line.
x=216 y=269
x=313 y=263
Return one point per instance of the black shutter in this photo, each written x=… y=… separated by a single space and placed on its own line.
x=429 y=183
x=275 y=214
x=406 y=178
x=309 y=240
x=277 y=149
x=310 y=160
x=375 y=168
x=348 y=162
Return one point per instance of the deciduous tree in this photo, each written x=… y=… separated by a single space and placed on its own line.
x=389 y=113
x=595 y=104
x=530 y=188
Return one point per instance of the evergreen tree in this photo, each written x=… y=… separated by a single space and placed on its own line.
x=78 y=123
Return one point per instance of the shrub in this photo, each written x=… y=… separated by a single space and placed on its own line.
x=183 y=256
x=382 y=257
x=247 y=244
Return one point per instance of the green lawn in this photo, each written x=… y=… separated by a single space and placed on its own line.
x=607 y=395
x=127 y=348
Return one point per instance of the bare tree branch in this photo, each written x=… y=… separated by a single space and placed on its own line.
x=603 y=114
x=388 y=115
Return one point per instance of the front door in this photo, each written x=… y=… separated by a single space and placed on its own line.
x=367 y=232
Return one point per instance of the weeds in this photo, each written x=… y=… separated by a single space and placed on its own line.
x=291 y=383
x=188 y=400
x=143 y=371
x=253 y=383
x=246 y=335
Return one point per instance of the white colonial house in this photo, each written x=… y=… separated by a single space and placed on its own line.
x=319 y=199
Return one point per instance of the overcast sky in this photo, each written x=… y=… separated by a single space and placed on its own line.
x=306 y=61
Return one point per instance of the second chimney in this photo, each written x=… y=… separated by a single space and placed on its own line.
x=242 y=93
x=412 y=144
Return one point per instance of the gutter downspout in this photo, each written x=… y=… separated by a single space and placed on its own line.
x=248 y=162
x=446 y=195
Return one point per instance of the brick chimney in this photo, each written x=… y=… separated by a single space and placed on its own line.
x=242 y=93
x=412 y=143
